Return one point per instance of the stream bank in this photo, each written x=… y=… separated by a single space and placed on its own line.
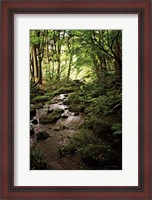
x=76 y=128
x=52 y=135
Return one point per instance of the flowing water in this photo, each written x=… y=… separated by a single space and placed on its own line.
x=59 y=133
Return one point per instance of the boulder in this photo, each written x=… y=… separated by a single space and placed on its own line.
x=102 y=129
x=76 y=108
x=58 y=110
x=32 y=112
x=31 y=131
x=76 y=114
x=66 y=102
x=42 y=135
x=51 y=118
x=34 y=121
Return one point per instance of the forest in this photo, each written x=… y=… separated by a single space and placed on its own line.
x=75 y=99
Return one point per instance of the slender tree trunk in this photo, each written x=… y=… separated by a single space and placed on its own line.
x=40 y=71
x=35 y=63
x=69 y=68
x=58 y=56
x=118 y=62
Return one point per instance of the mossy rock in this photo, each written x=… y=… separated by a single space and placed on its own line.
x=64 y=116
x=102 y=129
x=51 y=118
x=42 y=135
x=31 y=131
x=51 y=110
x=59 y=110
x=76 y=113
x=32 y=112
x=67 y=102
x=76 y=108
x=34 y=121
x=99 y=156
x=38 y=105
x=41 y=98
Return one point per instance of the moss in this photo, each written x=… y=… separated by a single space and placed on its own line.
x=51 y=118
x=41 y=98
x=42 y=135
x=76 y=108
x=37 y=159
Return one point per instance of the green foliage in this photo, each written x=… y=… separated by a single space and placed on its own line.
x=41 y=98
x=92 y=150
x=80 y=141
x=37 y=160
x=51 y=118
x=117 y=128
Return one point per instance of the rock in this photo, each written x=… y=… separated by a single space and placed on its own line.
x=50 y=110
x=51 y=118
x=42 y=135
x=76 y=108
x=31 y=131
x=102 y=129
x=32 y=113
x=58 y=110
x=65 y=116
x=60 y=128
x=34 y=121
x=66 y=102
x=76 y=114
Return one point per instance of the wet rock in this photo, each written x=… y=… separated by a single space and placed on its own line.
x=50 y=110
x=59 y=110
x=66 y=102
x=34 y=121
x=31 y=131
x=76 y=114
x=38 y=105
x=76 y=108
x=42 y=135
x=51 y=118
x=32 y=112
x=60 y=128
x=65 y=116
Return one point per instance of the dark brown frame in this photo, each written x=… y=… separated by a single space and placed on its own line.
x=10 y=7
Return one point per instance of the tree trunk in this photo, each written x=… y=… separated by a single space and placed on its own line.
x=35 y=63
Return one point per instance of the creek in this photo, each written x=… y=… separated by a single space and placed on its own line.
x=60 y=132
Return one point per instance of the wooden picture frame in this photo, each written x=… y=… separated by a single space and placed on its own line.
x=11 y=7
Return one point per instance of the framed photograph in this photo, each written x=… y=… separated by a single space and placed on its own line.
x=75 y=100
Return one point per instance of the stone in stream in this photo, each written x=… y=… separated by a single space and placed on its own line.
x=65 y=116
x=76 y=114
x=42 y=135
x=59 y=110
x=50 y=110
x=66 y=102
x=31 y=131
x=32 y=112
x=34 y=121
x=76 y=108
x=51 y=118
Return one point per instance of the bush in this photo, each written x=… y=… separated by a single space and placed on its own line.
x=41 y=98
x=37 y=160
